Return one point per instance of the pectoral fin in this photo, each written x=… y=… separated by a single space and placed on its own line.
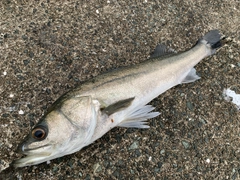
x=120 y=105
x=138 y=117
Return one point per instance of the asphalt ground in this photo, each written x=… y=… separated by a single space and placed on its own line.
x=50 y=47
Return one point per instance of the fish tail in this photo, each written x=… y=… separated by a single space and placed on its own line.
x=212 y=39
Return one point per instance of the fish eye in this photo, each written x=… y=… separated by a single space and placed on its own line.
x=39 y=133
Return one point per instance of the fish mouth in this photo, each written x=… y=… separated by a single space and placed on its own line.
x=33 y=156
x=32 y=160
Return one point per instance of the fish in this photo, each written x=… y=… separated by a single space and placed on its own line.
x=116 y=98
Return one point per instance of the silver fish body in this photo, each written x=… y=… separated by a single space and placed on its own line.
x=117 y=98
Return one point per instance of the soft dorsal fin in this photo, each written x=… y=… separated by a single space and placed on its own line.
x=162 y=50
x=117 y=106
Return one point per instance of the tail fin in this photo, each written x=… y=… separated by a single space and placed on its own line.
x=213 y=39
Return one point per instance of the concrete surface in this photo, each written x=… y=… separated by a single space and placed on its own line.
x=49 y=47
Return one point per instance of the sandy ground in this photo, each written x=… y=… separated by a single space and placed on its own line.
x=48 y=48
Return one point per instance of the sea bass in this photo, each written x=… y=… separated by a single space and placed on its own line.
x=118 y=98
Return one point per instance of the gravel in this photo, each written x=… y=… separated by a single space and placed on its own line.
x=49 y=47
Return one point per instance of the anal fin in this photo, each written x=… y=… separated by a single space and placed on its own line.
x=137 y=119
x=191 y=77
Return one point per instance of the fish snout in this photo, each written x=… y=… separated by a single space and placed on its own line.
x=21 y=148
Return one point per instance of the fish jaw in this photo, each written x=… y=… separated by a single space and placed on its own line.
x=35 y=156
x=31 y=160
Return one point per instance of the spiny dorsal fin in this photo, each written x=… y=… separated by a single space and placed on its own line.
x=162 y=50
x=122 y=104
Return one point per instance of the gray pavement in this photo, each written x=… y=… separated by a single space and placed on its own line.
x=49 y=47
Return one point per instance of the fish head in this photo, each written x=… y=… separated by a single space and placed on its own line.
x=66 y=128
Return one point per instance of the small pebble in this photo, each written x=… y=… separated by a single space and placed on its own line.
x=162 y=151
x=97 y=168
x=134 y=145
x=190 y=106
x=185 y=144
x=208 y=160
x=21 y=112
